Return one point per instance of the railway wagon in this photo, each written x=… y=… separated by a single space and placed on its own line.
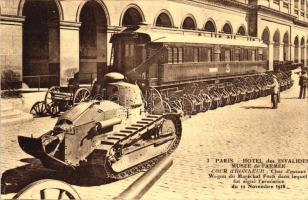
x=161 y=58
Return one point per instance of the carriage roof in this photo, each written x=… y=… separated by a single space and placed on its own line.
x=197 y=37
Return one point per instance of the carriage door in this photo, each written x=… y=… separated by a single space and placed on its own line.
x=128 y=53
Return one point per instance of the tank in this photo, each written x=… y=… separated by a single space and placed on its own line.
x=113 y=138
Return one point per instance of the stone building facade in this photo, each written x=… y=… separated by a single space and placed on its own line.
x=53 y=39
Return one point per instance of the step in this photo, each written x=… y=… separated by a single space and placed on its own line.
x=24 y=117
x=132 y=128
x=106 y=142
x=143 y=122
x=11 y=114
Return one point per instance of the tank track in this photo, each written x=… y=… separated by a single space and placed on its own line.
x=146 y=165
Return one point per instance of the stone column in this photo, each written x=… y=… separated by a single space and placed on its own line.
x=281 y=52
x=270 y=3
x=305 y=56
x=291 y=7
x=102 y=42
x=292 y=52
x=305 y=11
x=11 y=44
x=69 y=50
x=299 y=53
x=271 y=55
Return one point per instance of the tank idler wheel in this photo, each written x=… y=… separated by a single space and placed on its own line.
x=82 y=94
x=47 y=189
x=39 y=109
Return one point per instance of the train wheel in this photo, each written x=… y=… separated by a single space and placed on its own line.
x=82 y=94
x=48 y=189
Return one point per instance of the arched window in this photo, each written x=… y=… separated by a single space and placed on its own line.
x=132 y=16
x=164 y=20
x=189 y=23
x=210 y=26
x=241 y=30
x=227 y=28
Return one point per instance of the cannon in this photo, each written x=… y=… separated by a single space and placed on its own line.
x=107 y=139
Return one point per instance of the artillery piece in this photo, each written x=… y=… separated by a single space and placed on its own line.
x=107 y=139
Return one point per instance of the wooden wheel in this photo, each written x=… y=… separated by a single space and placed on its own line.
x=53 y=109
x=49 y=97
x=82 y=94
x=47 y=189
x=39 y=109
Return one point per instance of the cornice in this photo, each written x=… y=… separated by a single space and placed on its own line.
x=276 y=12
x=301 y=23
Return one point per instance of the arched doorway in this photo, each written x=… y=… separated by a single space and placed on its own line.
x=266 y=39
x=241 y=30
x=41 y=63
x=302 y=50
x=227 y=28
x=93 y=42
x=189 y=23
x=132 y=17
x=296 y=46
x=286 y=54
x=276 y=39
x=164 y=20
x=210 y=26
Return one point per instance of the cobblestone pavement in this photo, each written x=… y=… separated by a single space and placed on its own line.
x=245 y=130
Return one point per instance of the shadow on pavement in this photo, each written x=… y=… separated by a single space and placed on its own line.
x=256 y=107
x=13 y=180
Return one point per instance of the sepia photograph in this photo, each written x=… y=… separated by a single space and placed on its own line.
x=154 y=99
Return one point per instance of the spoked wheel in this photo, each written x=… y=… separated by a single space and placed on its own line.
x=49 y=97
x=82 y=94
x=188 y=106
x=167 y=107
x=154 y=101
x=39 y=109
x=53 y=109
x=47 y=189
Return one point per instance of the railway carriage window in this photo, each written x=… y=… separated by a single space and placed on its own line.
x=236 y=56
x=209 y=55
x=126 y=50
x=175 y=55
x=227 y=55
x=244 y=54
x=132 y=49
x=253 y=55
x=180 y=55
x=188 y=54
x=170 y=55
x=196 y=54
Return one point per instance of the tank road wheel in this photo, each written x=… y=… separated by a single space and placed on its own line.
x=39 y=109
x=154 y=101
x=82 y=94
x=47 y=189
